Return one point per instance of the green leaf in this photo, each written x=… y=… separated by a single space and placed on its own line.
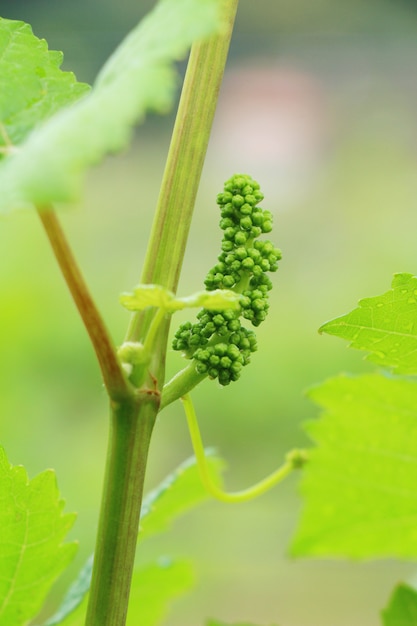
x=154 y=586
x=73 y=603
x=50 y=165
x=144 y=296
x=178 y=493
x=402 y=608
x=76 y=617
x=386 y=326
x=359 y=485
x=32 y=554
x=32 y=86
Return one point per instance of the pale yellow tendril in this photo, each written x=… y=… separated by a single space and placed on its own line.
x=294 y=460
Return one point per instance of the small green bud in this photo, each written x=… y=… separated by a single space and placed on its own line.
x=257 y=218
x=203 y=355
x=246 y=223
x=241 y=238
x=227 y=246
x=228 y=282
x=236 y=367
x=213 y=372
x=254 y=254
x=132 y=352
x=224 y=377
x=233 y=325
x=220 y=349
x=226 y=222
x=247 y=190
x=230 y=232
x=246 y=209
x=248 y=263
x=229 y=314
x=241 y=253
x=237 y=201
x=233 y=352
x=218 y=320
x=225 y=362
x=259 y=304
x=224 y=198
x=201 y=368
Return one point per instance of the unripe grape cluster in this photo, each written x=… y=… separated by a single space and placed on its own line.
x=218 y=343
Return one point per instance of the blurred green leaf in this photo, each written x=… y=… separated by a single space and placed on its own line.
x=359 y=486
x=72 y=609
x=402 y=608
x=32 y=86
x=32 y=554
x=145 y=296
x=385 y=325
x=153 y=588
x=75 y=618
x=179 y=492
x=50 y=165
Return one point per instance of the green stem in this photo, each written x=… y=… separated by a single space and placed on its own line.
x=131 y=428
x=294 y=460
x=133 y=420
x=185 y=161
x=180 y=384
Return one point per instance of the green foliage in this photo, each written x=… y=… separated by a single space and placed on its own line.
x=36 y=87
x=179 y=492
x=386 y=326
x=32 y=553
x=359 y=482
x=218 y=343
x=154 y=586
x=50 y=164
x=402 y=608
x=359 y=485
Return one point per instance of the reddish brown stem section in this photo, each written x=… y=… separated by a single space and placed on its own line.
x=113 y=377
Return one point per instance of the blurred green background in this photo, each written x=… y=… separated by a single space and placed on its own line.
x=318 y=104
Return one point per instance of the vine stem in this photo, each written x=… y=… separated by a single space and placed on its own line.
x=181 y=180
x=133 y=418
x=114 y=379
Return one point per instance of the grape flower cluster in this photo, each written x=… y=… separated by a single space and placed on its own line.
x=218 y=343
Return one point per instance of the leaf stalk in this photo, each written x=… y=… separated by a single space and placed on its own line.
x=113 y=376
